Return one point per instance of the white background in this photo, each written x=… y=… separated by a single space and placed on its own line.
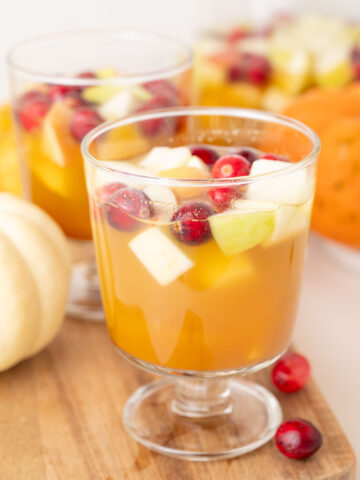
x=329 y=319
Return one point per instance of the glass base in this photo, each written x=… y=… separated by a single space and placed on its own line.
x=84 y=301
x=202 y=419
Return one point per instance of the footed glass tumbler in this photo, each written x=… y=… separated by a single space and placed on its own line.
x=200 y=234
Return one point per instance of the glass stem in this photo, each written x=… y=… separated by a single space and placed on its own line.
x=201 y=398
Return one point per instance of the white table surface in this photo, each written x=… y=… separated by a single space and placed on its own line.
x=328 y=332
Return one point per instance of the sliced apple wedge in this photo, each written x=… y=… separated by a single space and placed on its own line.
x=247 y=225
x=58 y=142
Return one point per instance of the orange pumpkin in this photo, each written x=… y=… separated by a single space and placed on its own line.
x=335 y=115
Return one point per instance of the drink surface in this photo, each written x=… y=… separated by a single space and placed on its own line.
x=53 y=119
x=201 y=279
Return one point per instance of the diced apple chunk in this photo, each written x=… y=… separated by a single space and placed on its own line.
x=292 y=188
x=160 y=256
x=243 y=228
x=165 y=158
x=164 y=201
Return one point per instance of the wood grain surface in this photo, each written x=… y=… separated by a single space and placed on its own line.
x=61 y=419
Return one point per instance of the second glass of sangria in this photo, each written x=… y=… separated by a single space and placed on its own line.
x=200 y=235
x=64 y=85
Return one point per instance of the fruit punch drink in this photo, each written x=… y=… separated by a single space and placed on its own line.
x=200 y=234
x=66 y=84
x=63 y=86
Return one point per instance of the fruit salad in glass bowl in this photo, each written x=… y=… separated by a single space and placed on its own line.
x=266 y=67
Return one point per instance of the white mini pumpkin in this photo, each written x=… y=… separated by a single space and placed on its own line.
x=35 y=271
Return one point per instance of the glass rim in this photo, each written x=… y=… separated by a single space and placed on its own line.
x=244 y=113
x=126 y=79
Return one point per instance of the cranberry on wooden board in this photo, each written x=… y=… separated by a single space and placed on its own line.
x=298 y=439
x=291 y=372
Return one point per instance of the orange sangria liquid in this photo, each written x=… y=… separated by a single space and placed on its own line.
x=52 y=121
x=201 y=279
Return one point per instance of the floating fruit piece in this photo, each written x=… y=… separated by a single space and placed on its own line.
x=223 y=196
x=82 y=121
x=164 y=89
x=107 y=72
x=242 y=228
x=190 y=223
x=289 y=221
x=124 y=103
x=33 y=106
x=100 y=93
x=186 y=173
x=58 y=141
x=126 y=209
x=294 y=188
x=207 y=154
x=160 y=256
x=355 y=61
x=210 y=264
x=298 y=438
x=250 y=68
x=163 y=201
x=230 y=166
x=275 y=100
x=249 y=153
x=292 y=69
x=158 y=125
x=165 y=158
x=333 y=67
x=291 y=372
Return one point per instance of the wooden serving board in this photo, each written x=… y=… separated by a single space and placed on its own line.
x=61 y=419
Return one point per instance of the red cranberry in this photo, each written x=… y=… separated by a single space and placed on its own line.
x=83 y=120
x=231 y=166
x=355 y=60
x=86 y=75
x=291 y=372
x=251 y=68
x=274 y=156
x=223 y=196
x=298 y=439
x=205 y=153
x=103 y=194
x=158 y=126
x=70 y=94
x=190 y=223
x=247 y=153
x=163 y=89
x=33 y=106
x=126 y=208
x=74 y=99
x=57 y=92
x=237 y=34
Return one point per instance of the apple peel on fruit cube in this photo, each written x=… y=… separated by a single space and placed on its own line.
x=243 y=227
